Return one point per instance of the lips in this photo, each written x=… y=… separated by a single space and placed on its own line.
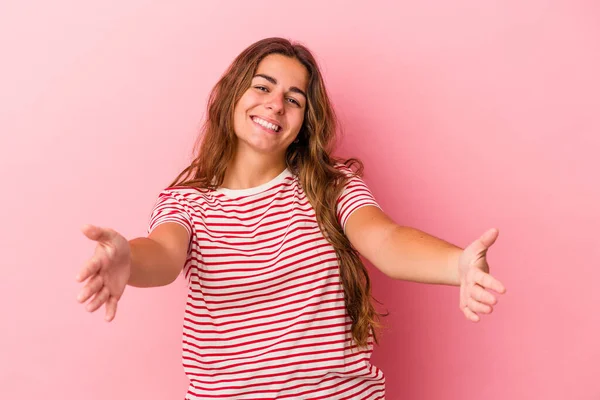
x=266 y=123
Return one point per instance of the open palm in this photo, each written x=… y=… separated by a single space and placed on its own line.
x=107 y=271
x=475 y=279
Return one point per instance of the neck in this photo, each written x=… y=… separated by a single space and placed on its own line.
x=251 y=170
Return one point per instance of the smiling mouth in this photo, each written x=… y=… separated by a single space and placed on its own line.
x=266 y=124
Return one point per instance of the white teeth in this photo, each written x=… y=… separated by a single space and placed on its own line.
x=266 y=124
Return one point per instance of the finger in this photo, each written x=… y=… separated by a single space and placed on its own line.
x=489 y=237
x=470 y=315
x=488 y=281
x=98 y=300
x=481 y=295
x=111 y=308
x=96 y=233
x=478 y=307
x=91 y=288
x=484 y=242
x=90 y=268
x=100 y=258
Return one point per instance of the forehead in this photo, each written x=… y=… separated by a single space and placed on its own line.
x=286 y=70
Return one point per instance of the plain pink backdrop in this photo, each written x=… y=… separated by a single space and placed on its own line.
x=468 y=114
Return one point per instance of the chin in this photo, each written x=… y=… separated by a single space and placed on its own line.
x=258 y=146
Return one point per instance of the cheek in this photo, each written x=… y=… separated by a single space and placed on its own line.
x=247 y=101
x=240 y=111
x=241 y=106
x=298 y=121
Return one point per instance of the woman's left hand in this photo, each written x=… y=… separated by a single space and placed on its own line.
x=475 y=280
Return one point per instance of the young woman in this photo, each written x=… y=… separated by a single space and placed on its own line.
x=267 y=228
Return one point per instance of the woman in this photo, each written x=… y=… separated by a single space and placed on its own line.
x=267 y=228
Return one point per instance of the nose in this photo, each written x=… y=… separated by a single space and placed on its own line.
x=275 y=103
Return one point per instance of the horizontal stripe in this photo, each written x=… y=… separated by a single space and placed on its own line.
x=265 y=315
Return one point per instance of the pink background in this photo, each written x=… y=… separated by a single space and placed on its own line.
x=468 y=114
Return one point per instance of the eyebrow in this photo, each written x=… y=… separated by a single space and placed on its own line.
x=274 y=82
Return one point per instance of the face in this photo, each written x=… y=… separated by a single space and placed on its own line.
x=269 y=115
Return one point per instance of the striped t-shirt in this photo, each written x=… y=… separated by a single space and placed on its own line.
x=265 y=315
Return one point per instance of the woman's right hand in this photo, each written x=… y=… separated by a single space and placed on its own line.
x=107 y=272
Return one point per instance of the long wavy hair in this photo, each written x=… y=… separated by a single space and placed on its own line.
x=309 y=159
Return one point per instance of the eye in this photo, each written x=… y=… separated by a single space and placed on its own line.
x=261 y=88
x=293 y=101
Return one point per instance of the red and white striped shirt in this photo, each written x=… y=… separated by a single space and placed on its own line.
x=265 y=315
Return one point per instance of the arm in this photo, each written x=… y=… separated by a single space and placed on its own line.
x=402 y=252
x=142 y=262
x=158 y=259
x=409 y=254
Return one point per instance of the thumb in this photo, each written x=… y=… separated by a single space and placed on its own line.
x=489 y=237
x=96 y=233
x=481 y=245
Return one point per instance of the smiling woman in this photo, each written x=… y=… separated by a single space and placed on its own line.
x=267 y=227
x=275 y=102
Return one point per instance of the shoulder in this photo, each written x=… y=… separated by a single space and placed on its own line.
x=340 y=166
x=350 y=169
x=352 y=166
x=186 y=194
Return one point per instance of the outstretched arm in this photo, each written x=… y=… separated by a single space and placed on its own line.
x=407 y=253
x=143 y=262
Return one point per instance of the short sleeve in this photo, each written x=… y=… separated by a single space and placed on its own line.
x=169 y=207
x=355 y=195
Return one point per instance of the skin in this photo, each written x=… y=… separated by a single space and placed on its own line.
x=260 y=153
